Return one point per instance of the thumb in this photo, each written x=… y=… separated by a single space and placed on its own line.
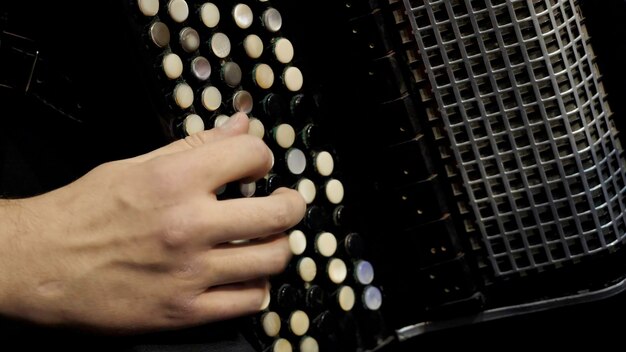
x=235 y=125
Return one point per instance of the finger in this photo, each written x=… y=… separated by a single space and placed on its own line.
x=230 y=301
x=236 y=125
x=231 y=263
x=248 y=218
x=210 y=166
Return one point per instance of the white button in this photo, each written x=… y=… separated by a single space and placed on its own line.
x=263 y=76
x=334 y=191
x=256 y=128
x=221 y=120
x=178 y=10
x=372 y=298
x=172 y=66
x=309 y=344
x=253 y=45
x=211 y=98
x=299 y=323
x=183 y=95
x=297 y=242
x=193 y=124
x=210 y=14
x=283 y=49
x=296 y=161
x=272 y=20
x=364 y=272
x=148 y=7
x=307 y=190
x=346 y=298
x=307 y=269
x=242 y=14
x=220 y=45
x=284 y=135
x=337 y=270
x=292 y=78
x=324 y=163
x=271 y=323
x=326 y=244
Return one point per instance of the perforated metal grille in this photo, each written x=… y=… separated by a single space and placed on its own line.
x=519 y=95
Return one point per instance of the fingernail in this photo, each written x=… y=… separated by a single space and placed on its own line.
x=266 y=299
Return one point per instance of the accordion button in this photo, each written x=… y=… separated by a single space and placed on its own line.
x=178 y=10
x=148 y=7
x=297 y=242
x=160 y=34
x=372 y=298
x=346 y=298
x=253 y=46
x=283 y=50
x=242 y=15
x=210 y=15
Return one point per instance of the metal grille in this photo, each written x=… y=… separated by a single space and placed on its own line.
x=518 y=91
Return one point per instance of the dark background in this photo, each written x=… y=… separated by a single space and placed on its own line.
x=41 y=150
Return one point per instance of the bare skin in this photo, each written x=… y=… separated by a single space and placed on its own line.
x=143 y=244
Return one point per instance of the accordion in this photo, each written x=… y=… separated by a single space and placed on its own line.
x=460 y=159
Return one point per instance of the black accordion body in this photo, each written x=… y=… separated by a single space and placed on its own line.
x=461 y=159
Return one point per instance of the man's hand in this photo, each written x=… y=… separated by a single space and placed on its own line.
x=143 y=244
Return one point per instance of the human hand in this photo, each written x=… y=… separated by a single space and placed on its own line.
x=143 y=244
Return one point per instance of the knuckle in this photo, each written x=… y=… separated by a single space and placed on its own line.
x=281 y=217
x=180 y=309
x=257 y=147
x=174 y=230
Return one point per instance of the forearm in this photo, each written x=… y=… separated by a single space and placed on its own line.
x=13 y=224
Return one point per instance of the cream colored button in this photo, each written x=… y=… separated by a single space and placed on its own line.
x=307 y=190
x=283 y=50
x=271 y=323
x=297 y=242
x=282 y=345
x=309 y=344
x=292 y=78
x=189 y=39
x=183 y=95
x=211 y=98
x=256 y=128
x=242 y=101
x=263 y=76
x=221 y=120
x=209 y=14
x=299 y=323
x=247 y=189
x=334 y=191
x=324 y=163
x=337 y=270
x=178 y=10
x=148 y=7
x=193 y=124
x=242 y=14
x=172 y=66
x=346 y=298
x=284 y=135
x=326 y=244
x=160 y=34
x=272 y=20
x=307 y=269
x=220 y=45
x=253 y=46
